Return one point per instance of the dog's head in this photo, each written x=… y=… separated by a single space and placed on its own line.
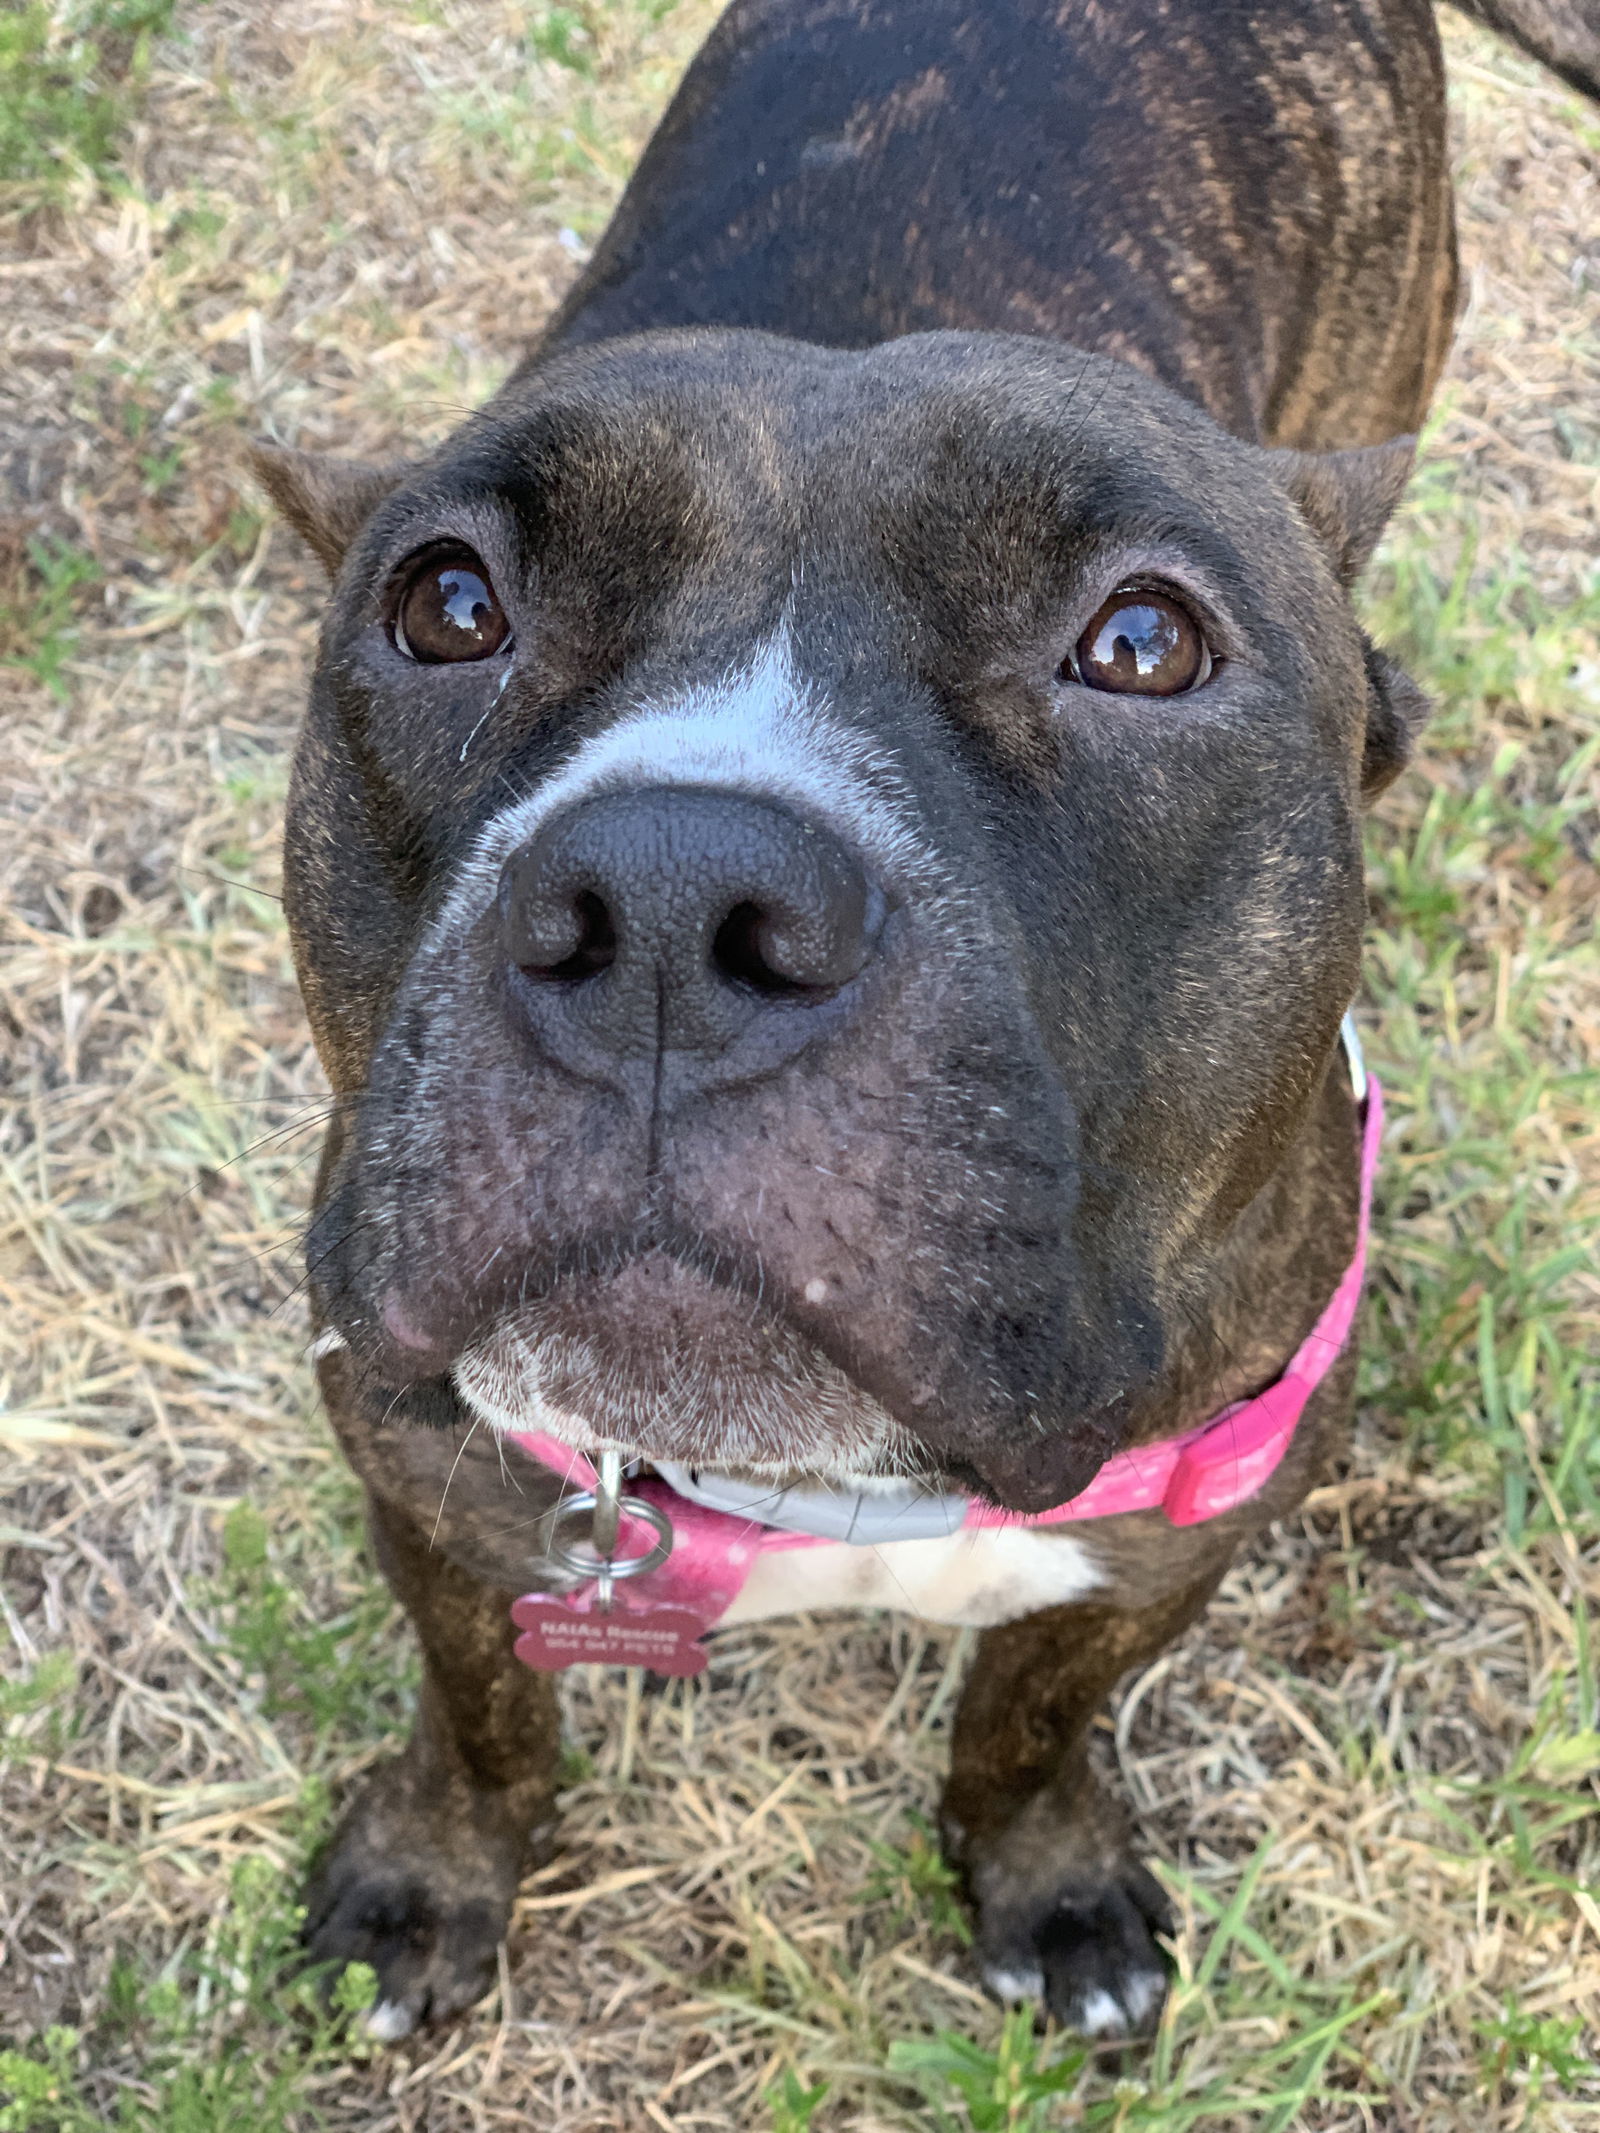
x=829 y=882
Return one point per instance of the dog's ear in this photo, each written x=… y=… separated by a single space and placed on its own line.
x=1397 y=711
x=1347 y=498
x=327 y=501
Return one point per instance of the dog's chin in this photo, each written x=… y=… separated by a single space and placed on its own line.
x=666 y=1364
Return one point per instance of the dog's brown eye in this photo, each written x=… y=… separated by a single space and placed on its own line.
x=448 y=610
x=1141 y=643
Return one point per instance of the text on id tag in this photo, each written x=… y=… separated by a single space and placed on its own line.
x=558 y=1633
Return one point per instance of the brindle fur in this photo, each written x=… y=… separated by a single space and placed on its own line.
x=1251 y=203
x=427 y=1862
x=1247 y=203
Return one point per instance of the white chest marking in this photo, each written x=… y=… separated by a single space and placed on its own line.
x=971 y=1579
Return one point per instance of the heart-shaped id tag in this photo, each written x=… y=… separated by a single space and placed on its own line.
x=562 y=1632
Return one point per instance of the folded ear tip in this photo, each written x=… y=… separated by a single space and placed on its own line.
x=1347 y=496
x=263 y=454
x=326 y=500
x=273 y=467
x=1397 y=711
x=1402 y=450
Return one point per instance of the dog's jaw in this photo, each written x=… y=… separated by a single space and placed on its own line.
x=787 y=1410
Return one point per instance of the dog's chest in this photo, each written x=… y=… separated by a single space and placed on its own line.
x=972 y=1579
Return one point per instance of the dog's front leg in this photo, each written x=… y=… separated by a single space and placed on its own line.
x=419 y=1878
x=1065 y=1912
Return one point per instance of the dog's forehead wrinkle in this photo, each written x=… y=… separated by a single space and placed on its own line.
x=777 y=412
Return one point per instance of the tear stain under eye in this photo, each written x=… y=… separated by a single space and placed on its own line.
x=500 y=690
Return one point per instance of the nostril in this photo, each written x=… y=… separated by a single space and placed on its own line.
x=578 y=944
x=809 y=950
x=704 y=913
x=743 y=949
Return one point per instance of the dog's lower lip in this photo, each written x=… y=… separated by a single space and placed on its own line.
x=658 y=1356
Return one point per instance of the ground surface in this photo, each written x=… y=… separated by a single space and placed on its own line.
x=1369 y=1781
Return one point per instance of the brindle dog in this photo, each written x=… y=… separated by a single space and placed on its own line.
x=825 y=869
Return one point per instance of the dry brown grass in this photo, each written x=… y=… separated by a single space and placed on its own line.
x=343 y=219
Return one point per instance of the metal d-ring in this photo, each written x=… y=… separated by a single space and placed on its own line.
x=609 y=1569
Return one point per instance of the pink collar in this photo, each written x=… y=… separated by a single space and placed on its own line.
x=1194 y=1476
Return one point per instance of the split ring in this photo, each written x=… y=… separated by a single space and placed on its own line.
x=593 y=1566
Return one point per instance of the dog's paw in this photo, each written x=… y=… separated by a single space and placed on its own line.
x=1089 y=1957
x=434 y=1953
x=420 y=1896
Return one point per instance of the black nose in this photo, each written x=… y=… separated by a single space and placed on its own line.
x=675 y=920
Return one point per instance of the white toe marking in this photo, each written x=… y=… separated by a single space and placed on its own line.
x=1099 y=2015
x=1139 y=1993
x=1013 y=1985
x=387 y=2021
x=1143 y=1992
